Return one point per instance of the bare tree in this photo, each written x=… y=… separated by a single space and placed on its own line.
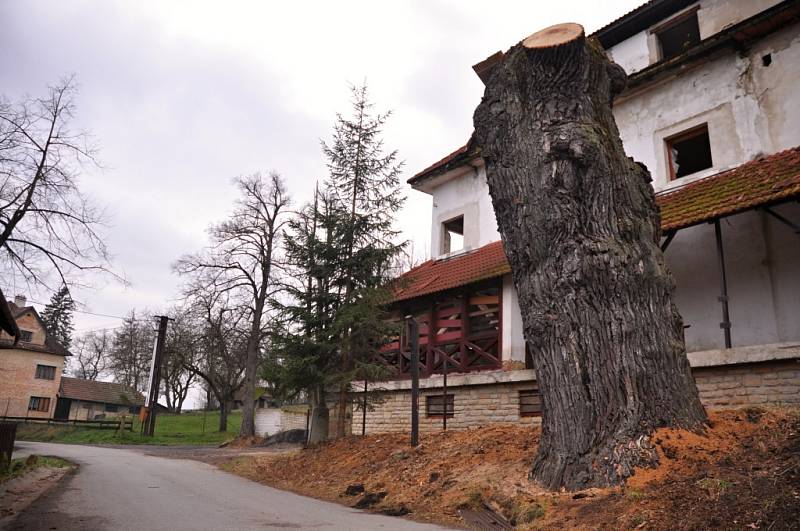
x=90 y=357
x=47 y=225
x=132 y=351
x=219 y=324
x=241 y=261
x=181 y=351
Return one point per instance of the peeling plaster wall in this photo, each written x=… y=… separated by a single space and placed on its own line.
x=466 y=196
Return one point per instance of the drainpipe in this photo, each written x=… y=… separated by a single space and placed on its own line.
x=723 y=298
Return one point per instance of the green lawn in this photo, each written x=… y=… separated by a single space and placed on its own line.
x=186 y=428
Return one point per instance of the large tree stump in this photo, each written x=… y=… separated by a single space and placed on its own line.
x=581 y=230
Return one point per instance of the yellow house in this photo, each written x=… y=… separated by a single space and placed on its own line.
x=30 y=371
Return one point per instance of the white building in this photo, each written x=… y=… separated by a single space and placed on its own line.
x=712 y=108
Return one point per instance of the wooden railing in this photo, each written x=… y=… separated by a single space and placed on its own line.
x=466 y=335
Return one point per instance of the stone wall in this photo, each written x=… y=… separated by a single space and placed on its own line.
x=758 y=383
x=486 y=398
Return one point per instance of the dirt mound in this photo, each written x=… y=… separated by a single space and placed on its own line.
x=744 y=473
x=243 y=442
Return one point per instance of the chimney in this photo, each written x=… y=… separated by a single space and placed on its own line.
x=20 y=301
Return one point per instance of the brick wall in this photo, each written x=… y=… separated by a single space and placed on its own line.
x=474 y=405
x=18 y=382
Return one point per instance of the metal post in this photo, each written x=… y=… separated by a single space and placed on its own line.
x=723 y=298
x=155 y=380
x=444 y=398
x=414 y=338
x=364 y=413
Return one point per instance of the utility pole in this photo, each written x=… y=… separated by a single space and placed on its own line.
x=413 y=331
x=155 y=376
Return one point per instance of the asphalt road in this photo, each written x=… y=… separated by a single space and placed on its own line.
x=125 y=489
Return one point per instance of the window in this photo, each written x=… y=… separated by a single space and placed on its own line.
x=435 y=408
x=39 y=403
x=689 y=152
x=45 y=372
x=111 y=408
x=530 y=403
x=26 y=336
x=453 y=235
x=678 y=35
x=134 y=410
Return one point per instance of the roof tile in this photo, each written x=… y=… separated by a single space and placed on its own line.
x=104 y=392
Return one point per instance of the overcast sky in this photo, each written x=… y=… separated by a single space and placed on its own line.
x=182 y=96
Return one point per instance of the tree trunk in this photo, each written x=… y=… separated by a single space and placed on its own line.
x=319 y=421
x=223 y=415
x=581 y=230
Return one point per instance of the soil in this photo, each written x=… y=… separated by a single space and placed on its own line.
x=743 y=473
x=18 y=493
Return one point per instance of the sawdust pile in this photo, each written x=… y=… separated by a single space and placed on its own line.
x=743 y=473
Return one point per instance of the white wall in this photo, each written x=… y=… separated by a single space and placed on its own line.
x=751 y=109
x=466 y=196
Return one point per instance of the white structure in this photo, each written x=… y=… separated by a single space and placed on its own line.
x=712 y=108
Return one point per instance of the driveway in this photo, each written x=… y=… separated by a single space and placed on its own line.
x=123 y=489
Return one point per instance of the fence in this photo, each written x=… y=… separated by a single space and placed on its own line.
x=120 y=424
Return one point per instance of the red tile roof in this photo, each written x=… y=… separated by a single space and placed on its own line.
x=438 y=275
x=103 y=392
x=757 y=183
x=453 y=160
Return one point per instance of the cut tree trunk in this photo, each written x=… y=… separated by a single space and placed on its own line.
x=580 y=227
x=320 y=417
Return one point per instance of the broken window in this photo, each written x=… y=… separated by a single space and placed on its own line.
x=530 y=403
x=678 y=35
x=453 y=235
x=689 y=152
x=25 y=336
x=435 y=406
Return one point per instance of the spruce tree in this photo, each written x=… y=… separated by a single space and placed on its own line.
x=57 y=316
x=364 y=181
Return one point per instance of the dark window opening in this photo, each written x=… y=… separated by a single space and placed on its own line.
x=679 y=36
x=766 y=60
x=435 y=406
x=133 y=410
x=45 y=372
x=112 y=408
x=453 y=235
x=530 y=403
x=39 y=403
x=689 y=152
x=25 y=336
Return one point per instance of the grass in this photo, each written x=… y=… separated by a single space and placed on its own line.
x=184 y=429
x=22 y=465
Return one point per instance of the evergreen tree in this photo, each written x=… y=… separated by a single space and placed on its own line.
x=364 y=180
x=57 y=316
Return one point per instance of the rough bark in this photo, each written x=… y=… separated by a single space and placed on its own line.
x=581 y=230
x=320 y=417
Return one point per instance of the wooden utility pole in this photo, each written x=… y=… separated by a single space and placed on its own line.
x=155 y=376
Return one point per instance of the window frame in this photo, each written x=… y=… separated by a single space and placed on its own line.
x=682 y=136
x=25 y=336
x=449 y=406
x=110 y=408
x=41 y=374
x=39 y=403
x=446 y=244
x=659 y=29
x=524 y=393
